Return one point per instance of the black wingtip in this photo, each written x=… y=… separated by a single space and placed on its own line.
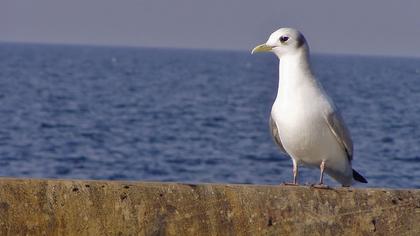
x=359 y=177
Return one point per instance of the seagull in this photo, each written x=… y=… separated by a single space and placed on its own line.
x=304 y=122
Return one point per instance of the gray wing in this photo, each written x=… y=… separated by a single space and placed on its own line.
x=340 y=131
x=275 y=134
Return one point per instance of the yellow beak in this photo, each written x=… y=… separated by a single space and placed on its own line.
x=262 y=48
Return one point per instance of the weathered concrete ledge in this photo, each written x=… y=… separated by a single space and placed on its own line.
x=76 y=207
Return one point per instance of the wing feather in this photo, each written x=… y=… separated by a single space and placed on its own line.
x=275 y=134
x=340 y=131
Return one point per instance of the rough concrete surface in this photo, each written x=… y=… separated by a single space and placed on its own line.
x=78 y=207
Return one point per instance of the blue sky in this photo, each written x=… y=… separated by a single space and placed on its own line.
x=374 y=27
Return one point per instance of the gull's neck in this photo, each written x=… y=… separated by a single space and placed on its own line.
x=294 y=71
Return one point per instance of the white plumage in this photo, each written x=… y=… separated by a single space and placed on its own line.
x=304 y=121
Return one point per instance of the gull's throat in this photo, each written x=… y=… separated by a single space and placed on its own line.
x=294 y=71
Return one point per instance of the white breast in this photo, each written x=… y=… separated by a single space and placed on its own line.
x=301 y=127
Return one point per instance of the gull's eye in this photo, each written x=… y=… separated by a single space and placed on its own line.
x=284 y=39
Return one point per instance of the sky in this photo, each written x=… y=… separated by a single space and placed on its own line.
x=373 y=27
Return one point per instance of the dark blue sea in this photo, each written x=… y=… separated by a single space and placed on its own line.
x=191 y=115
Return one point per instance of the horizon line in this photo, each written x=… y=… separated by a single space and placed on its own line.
x=128 y=46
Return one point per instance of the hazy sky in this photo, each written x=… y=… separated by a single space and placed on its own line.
x=390 y=27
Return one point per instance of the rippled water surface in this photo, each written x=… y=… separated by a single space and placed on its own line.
x=191 y=116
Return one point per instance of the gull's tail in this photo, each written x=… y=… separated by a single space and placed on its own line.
x=358 y=177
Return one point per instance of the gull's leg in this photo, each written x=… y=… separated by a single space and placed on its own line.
x=321 y=177
x=295 y=174
x=322 y=168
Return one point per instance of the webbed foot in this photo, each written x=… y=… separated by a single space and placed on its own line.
x=289 y=184
x=320 y=186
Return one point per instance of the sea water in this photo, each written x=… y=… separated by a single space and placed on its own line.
x=191 y=115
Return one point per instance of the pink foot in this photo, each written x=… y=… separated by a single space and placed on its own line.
x=320 y=186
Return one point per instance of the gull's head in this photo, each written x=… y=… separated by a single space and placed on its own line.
x=284 y=41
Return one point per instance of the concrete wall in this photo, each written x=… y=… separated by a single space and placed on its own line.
x=75 y=207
